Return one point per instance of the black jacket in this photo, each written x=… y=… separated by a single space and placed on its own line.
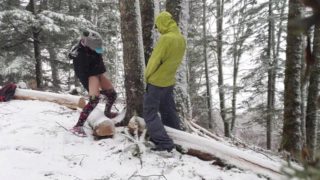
x=86 y=63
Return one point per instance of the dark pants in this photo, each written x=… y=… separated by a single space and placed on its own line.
x=160 y=99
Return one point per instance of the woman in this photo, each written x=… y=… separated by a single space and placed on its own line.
x=89 y=68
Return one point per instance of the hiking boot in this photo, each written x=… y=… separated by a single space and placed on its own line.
x=164 y=152
x=157 y=148
x=78 y=131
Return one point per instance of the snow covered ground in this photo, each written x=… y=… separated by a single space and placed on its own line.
x=34 y=146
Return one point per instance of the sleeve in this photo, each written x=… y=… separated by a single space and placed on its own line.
x=73 y=52
x=156 y=58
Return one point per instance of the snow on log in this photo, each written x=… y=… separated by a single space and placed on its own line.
x=68 y=100
x=230 y=155
x=101 y=125
x=202 y=131
x=136 y=124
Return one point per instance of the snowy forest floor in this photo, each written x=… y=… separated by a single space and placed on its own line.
x=34 y=146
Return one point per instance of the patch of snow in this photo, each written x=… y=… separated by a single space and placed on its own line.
x=34 y=146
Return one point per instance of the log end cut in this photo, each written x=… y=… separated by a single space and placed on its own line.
x=136 y=124
x=82 y=102
x=104 y=129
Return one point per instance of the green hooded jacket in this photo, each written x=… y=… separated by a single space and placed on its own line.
x=167 y=54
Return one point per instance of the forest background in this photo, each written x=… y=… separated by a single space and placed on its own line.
x=244 y=74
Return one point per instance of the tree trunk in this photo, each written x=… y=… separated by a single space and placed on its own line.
x=291 y=135
x=178 y=9
x=236 y=61
x=54 y=68
x=208 y=96
x=174 y=7
x=133 y=57
x=220 y=13
x=271 y=77
x=303 y=96
x=72 y=79
x=157 y=9
x=278 y=47
x=36 y=46
x=147 y=18
x=37 y=55
x=313 y=92
x=70 y=6
x=304 y=93
x=318 y=137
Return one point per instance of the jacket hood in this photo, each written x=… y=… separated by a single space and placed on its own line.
x=165 y=23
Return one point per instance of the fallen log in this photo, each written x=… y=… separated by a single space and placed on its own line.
x=230 y=155
x=102 y=126
x=211 y=147
x=201 y=155
x=70 y=101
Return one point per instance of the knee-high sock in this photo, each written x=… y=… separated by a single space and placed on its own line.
x=93 y=101
x=111 y=95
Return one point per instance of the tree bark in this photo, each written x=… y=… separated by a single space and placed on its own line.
x=174 y=7
x=133 y=57
x=207 y=71
x=37 y=55
x=291 y=135
x=147 y=18
x=36 y=46
x=179 y=11
x=236 y=61
x=278 y=46
x=271 y=77
x=313 y=93
x=220 y=9
x=54 y=68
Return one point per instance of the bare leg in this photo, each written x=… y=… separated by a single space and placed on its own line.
x=94 y=84
x=105 y=82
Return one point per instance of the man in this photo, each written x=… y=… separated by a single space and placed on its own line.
x=160 y=78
